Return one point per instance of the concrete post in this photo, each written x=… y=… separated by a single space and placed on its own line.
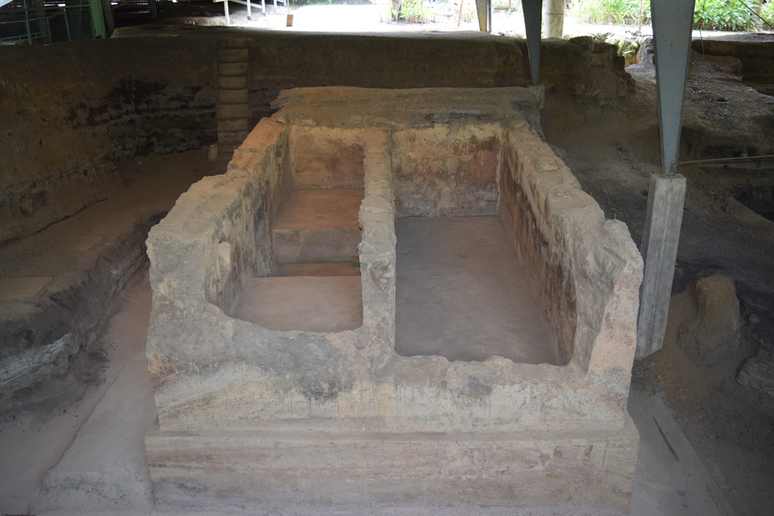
x=672 y=22
x=554 y=16
x=659 y=250
x=484 y=12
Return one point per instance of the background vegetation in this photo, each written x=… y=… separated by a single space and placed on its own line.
x=731 y=15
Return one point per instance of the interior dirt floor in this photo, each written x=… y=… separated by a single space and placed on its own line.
x=320 y=209
x=303 y=303
x=462 y=293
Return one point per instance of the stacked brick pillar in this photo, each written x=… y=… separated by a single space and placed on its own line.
x=233 y=112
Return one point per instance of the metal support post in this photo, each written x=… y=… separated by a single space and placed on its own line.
x=67 y=24
x=27 y=23
x=225 y=10
x=97 y=19
x=532 y=22
x=672 y=22
x=249 y=12
x=110 y=22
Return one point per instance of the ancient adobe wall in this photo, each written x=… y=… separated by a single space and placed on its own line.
x=584 y=268
x=262 y=180
x=447 y=170
x=757 y=58
x=69 y=112
x=212 y=371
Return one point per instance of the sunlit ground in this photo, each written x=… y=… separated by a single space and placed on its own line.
x=439 y=17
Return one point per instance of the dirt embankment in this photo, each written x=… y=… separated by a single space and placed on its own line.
x=613 y=151
x=72 y=112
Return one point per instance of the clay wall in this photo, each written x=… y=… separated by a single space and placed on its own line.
x=242 y=210
x=757 y=58
x=446 y=170
x=582 y=266
x=70 y=112
x=323 y=157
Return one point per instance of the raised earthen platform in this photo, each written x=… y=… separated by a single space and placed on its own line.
x=260 y=417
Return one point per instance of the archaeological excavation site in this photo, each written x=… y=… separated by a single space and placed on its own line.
x=250 y=269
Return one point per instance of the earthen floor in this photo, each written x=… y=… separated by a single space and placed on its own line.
x=463 y=294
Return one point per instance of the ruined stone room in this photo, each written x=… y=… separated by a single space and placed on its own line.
x=387 y=257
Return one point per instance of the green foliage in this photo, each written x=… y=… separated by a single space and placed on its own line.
x=722 y=15
x=617 y=12
x=730 y=15
x=469 y=13
x=412 y=11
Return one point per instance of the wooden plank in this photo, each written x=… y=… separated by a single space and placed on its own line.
x=666 y=198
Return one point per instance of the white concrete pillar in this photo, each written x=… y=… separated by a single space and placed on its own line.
x=484 y=11
x=666 y=198
x=553 y=14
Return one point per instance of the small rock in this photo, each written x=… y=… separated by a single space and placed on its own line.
x=705 y=319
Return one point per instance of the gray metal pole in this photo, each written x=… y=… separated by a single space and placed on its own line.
x=27 y=23
x=110 y=21
x=672 y=22
x=249 y=13
x=225 y=10
x=67 y=24
x=533 y=13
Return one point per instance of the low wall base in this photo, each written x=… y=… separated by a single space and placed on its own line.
x=580 y=471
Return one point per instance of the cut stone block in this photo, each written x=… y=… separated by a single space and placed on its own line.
x=238 y=82
x=234 y=43
x=233 y=124
x=233 y=68
x=233 y=111
x=232 y=55
x=228 y=96
x=232 y=137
